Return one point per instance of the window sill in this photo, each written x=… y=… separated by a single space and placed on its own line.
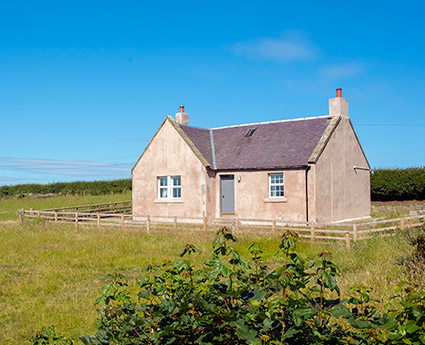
x=168 y=201
x=275 y=200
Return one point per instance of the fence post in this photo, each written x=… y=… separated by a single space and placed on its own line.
x=233 y=230
x=38 y=214
x=122 y=221
x=355 y=232
x=205 y=224
x=148 y=224
x=237 y=224
x=274 y=226
x=347 y=240
x=312 y=232
x=175 y=222
x=56 y=216
x=98 y=219
x=76 y=221
x=402 y=224
x=21 y=216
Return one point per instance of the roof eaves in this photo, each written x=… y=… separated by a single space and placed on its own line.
x=276 y=167
x=324 y=139
x=189 y=142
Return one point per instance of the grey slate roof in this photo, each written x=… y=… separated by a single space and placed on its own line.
x=201 y=139
x=282 y=144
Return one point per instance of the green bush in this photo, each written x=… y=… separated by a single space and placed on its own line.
x=398 y=184
x=68 y=188
x=239 y=302
x=47 y=335
x=236 y=301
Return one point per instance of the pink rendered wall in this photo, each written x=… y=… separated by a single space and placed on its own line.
x=169 y=155
x=252 y=195
x=342 y=192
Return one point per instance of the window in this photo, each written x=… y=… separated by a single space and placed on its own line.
x=177 y=186
x=250 y=132
x=169 y=187
x=163 y=187
x=276 y=185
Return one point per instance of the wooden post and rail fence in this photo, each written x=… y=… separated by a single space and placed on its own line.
x=119 y=214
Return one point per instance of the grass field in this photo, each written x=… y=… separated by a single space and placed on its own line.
x=9 y=207
x=395 y=209
x=51 y=275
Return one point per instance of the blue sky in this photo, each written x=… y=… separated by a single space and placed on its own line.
x=85 y=84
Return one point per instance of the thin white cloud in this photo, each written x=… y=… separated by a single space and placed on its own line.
x=350 y=69
x=89 y=169
x=9 y=180
x=326 y=78
x=291 y=46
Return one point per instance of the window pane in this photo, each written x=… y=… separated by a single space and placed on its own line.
x=163 y=181
x=176 y=181
x=279 y=190
x=177 y=192
x=276 y=178
x=163 y=192
x=276 y=191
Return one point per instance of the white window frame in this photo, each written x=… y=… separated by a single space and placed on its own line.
x=277 y=184
x=176 y=187
x=170 y=187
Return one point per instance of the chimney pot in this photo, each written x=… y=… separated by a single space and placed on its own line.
x=339 y=93
x=182 y=108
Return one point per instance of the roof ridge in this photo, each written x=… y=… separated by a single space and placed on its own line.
x=270 y=122
x=205 y=129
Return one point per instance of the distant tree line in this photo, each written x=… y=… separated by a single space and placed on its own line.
x=68 y=188
x=385 y=185
x=398 y=184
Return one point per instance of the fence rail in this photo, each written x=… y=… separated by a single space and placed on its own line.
x=109 y=207
x=119 y=214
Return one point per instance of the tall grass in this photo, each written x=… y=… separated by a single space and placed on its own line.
x=51 y=274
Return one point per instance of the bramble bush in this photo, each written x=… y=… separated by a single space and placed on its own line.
x=238 y=301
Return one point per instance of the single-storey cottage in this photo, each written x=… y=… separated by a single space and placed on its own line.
x=307 y=169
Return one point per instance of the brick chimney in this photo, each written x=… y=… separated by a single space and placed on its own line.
x=181 y=117
x=338 y=106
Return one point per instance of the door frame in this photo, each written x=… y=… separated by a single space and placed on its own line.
x=221 y=196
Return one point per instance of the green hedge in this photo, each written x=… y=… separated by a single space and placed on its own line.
x=69 y=188
x=385 y=185
x=398 y=184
